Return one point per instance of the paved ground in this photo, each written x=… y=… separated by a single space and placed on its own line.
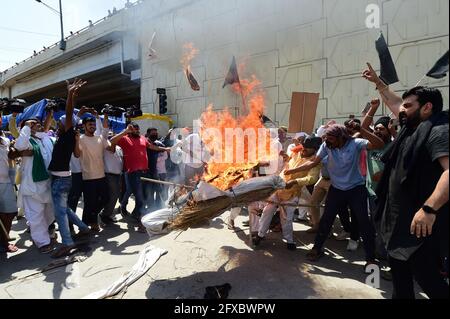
x=196 y=259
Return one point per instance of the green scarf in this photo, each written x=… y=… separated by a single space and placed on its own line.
x=39 y=172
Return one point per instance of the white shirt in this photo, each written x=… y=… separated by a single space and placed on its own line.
x=194 y=151
x=75 y=165
x=276 y=162
x=4 y=164
x=92 y=150
x=113 y=161
x=40 y=191
x=161 y=163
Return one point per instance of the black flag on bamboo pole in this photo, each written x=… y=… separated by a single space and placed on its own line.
x=440 y=69
x=232 y=76
x=387 y=66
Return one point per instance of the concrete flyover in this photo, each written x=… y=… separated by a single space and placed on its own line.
x=103 y=54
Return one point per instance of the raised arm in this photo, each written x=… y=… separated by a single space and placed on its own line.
x=375 y=143
x=12 y=126
x=116 y=139
x=368 y=119
x=392 y=100
x=72 y=94
x=23 y=141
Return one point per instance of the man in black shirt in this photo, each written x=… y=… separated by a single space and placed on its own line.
x=152 y=192
x=61 y=176
x=413 y=193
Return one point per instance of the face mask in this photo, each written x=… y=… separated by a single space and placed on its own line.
x=153 y=138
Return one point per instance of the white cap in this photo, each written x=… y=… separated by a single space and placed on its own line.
x=321 y=131
x=301 y=134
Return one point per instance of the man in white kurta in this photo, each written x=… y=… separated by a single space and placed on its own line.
x=35 y=197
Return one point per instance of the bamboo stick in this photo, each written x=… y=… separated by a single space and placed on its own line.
x=149 y=180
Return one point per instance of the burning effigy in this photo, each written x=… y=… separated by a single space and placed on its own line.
x=240 y=145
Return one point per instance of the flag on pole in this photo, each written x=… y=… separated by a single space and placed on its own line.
x=388 y=71
x=192 y=81
x=232 y=76
x=440 y=69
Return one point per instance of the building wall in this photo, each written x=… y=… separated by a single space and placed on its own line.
x=290 y=45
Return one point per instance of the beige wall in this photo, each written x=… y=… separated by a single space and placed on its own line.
x=290 y=45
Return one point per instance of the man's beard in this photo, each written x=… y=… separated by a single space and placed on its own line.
x=412 y=122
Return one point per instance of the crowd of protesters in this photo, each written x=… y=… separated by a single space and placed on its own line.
x=387 y=180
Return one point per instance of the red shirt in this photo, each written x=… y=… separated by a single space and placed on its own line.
x=134 y=153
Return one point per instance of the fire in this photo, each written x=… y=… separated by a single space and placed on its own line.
x=189 y=53
x=246 y=157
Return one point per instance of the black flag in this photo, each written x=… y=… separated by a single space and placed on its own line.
x=192 y=81
x=388 y=72
x=440 y=69
x=232 y=76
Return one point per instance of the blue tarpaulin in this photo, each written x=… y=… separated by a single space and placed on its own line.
x=117 y=125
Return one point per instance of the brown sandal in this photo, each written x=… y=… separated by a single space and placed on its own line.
x=64 y=251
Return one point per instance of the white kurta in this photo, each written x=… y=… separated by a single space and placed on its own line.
x=36 y=198
x=40 y=191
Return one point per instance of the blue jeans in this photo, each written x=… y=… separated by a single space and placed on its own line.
x=136 y=188
x=152 y=194
x=338 y=201
x=127 y=193
x=60 y=192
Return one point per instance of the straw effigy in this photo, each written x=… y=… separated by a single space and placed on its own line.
x=197 y=212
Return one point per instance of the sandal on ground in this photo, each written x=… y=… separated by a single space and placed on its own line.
x=63 y=251
x=95 y=228
x=46 y=249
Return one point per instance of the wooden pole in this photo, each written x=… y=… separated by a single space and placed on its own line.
x=4 y=231
x=244 y=104
x=165 y=183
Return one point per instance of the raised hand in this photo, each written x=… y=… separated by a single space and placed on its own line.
x=370 y=74
x=130 y=129
x=375 y=103
x=73 y=88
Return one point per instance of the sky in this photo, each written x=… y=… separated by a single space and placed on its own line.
x=27 y=25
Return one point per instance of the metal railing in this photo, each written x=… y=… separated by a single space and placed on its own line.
x=132 y=4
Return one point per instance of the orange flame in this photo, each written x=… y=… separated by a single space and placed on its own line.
x=238 y=168
x=189 y=53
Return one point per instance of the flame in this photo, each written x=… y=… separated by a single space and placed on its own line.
x=239 y=168
x=189 y=53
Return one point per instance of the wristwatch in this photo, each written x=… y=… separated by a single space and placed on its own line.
x=427 y=209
